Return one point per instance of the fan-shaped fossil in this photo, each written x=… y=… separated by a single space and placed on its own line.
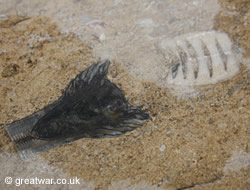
x=91 y=106
x=200 y=58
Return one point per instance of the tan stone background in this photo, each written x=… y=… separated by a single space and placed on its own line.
x=199 y=142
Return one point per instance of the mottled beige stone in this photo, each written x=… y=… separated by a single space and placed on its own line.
x=205 y=136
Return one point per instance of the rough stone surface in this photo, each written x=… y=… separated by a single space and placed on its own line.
x=234 y=19
x=206 y=136
x=132 y=29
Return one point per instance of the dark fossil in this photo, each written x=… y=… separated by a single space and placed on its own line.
x=91 y=106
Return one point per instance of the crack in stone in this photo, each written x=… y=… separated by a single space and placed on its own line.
x=201 y=184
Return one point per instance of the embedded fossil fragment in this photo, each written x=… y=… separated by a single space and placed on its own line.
x=193 y=56
x=200 y=58
x=91 y=106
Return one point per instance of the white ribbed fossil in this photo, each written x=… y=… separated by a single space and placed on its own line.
x=200 y=58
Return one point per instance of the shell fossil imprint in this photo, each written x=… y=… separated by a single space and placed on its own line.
x=91 y=106
x=200 y=58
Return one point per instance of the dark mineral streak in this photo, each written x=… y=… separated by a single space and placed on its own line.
x=91 y=106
